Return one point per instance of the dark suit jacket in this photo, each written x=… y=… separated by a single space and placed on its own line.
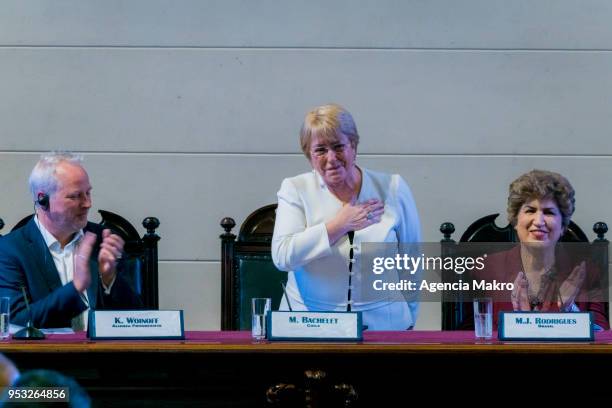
x=504 y=267
x=25 y=261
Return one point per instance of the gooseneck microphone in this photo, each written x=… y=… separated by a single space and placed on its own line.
x=29 y=332
x=286 y=297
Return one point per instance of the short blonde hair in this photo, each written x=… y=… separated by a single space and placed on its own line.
x=327 y=122
x=538 y=184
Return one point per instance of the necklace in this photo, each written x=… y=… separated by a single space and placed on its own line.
x=536 y=300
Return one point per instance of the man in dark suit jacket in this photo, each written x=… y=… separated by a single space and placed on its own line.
x=65 y=264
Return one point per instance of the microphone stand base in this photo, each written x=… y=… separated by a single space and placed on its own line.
x=29 y=333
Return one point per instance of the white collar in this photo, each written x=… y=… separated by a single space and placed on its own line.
x=50 y=240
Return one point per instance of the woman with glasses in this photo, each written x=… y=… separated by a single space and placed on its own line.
x=323 y=216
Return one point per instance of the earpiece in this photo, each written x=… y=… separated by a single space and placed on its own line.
x=43 y=201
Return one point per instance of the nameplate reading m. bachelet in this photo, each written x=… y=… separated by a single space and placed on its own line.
x=315 y=326
x=136 y=324
x=525 y=326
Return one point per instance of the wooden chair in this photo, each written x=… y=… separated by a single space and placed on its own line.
x=485 y=230
x=141 y=252
x=247 y=270
x=140 y=263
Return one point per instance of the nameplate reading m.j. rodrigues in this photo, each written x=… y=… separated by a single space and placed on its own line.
x=525 y=326
x=315 y=326
x=136 y=324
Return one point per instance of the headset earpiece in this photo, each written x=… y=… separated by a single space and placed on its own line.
x=43 y=201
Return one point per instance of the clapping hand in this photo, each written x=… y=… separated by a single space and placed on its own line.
x=570 y=288
x=111 y=250
x=520 y=296
x=82 y=276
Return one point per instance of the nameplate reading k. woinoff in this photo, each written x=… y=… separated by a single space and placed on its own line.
x=136 y=324
x=567 y=326
x=323 y=326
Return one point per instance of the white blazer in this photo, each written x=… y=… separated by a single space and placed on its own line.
x=318 y=273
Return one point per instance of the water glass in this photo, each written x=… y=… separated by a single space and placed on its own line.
x=5 y=317
x=261 y=307
x=483 y=318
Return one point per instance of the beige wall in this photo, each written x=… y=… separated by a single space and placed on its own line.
x=189 y=110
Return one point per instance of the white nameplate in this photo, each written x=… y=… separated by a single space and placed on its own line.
x=324 y=326
x=573 y=326
x=136 y=324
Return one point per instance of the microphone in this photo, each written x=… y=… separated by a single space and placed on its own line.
x=286 y=297
x=29 y=332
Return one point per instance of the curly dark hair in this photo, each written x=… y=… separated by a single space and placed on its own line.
x=538 y=184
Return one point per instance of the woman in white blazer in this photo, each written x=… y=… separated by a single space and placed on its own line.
x=319 y=214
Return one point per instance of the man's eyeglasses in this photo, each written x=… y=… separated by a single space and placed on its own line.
x=321 y=151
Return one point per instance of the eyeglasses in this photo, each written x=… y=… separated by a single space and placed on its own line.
x=321 y=150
